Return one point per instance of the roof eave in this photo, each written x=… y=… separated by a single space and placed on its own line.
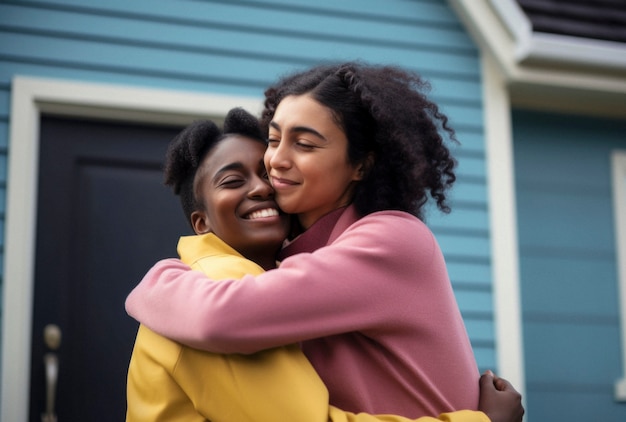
x=542 y=47
x=546 y=70
x=567 y=50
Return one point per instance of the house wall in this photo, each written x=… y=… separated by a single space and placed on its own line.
x=568 y=268
x=239 y=47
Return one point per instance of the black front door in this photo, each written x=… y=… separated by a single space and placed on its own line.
x=103 y=218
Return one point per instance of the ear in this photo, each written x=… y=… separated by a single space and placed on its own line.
x=364 y=167
x=200 y=222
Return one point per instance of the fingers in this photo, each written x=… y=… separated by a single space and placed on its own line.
x=502 y=384
x=499 y=400
x=487 y=380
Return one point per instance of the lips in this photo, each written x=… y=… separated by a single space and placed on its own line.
x=264 y=213
x=279 y=183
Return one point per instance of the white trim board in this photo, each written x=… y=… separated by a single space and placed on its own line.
x=503 y=224
x=30 y=97
x=618 y=164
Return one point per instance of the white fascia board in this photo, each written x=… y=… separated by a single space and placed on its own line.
x=489 y=32
x=502 y=27
x=558 y=49
x=515 y=22
x=544 y=71
x=554 y=48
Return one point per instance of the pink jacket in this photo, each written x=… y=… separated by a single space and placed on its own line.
x=374 y=309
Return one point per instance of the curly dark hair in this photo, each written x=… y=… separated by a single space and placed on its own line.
x=386 y=115
x=189 y=148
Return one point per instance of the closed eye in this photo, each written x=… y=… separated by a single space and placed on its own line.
x=231 y=182
x=273 y=142
x=306 y=146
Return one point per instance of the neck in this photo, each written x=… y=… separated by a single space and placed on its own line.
x=265 y=260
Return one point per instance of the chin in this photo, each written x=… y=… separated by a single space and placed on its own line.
x=285 y=204
x=271 y=238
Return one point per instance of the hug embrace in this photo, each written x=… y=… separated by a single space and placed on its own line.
x=316 y=285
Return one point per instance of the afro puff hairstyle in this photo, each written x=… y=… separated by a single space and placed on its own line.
x=189 y=148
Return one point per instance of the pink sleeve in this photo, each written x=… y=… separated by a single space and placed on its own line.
x=366 y=280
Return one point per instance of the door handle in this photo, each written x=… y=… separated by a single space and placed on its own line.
x=52 y=338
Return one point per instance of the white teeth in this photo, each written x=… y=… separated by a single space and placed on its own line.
x=268 y=212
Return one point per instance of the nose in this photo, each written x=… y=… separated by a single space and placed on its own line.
x=260 y=188
x=277 y=156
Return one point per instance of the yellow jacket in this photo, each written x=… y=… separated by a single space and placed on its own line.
x=171 y=382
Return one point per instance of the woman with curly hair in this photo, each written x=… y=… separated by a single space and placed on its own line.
x=354 y=152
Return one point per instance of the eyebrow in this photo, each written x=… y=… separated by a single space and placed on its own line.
x=232 y=166
x=299 y=129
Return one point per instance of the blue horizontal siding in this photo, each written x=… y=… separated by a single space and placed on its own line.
x=4 y=133
x=20 y=44
x=568 y=264
x=471 y=140
x=469 y=192
x=460 y=114
x=567 y=403
x=456 y=245
x=450 y=85
x=5 y=103
x=485 y=356
x=384 y=23
x=3 y=193
x=212 y=20
x=481 y=331
x=430 y=10
x=198 y=66
x=587 y=347
x=557 y=234
x=474 y=301
x=203 y=43
x=590 y=285
x=474 y=221
x=3 y=169
x=472 y=167
x=472 y=273
x=585 y=169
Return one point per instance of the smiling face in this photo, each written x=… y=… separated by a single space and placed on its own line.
x=239 y=205
x=307 y=160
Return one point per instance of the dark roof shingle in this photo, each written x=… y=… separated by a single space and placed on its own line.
x=595 y=19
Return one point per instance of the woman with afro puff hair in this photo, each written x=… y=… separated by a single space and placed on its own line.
x=354 y=153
